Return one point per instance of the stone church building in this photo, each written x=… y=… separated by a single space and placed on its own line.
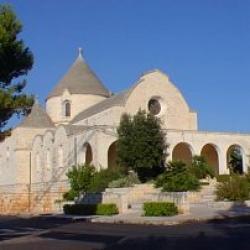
x=79 y=126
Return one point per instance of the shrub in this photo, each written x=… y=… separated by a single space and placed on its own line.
x=236 y=188
x=181 y=183
x=101 y=179
x=160 y=209
x=80 y=180
x=90 y=209
x=127 y=181
x=177 y=178
x=200 y=168
x=106 y=209
x=223 y=178
x=70 y=195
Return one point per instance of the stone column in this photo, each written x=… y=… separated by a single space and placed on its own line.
x=223 y=169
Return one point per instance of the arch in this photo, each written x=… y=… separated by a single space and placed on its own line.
x=38 y=172
x=210 y=153
x=88 y=154
x=48 y=166
x=183 y=152
x=60 y=156
x=112 y=156
x=235 y=155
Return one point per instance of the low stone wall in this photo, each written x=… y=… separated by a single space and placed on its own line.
x=125 y=197
x=35 y=199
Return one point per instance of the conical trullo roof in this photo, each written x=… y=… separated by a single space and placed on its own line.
x=37 y=118
x=80 y=79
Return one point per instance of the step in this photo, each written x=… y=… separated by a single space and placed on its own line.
x=136 y=206
x=210 y=196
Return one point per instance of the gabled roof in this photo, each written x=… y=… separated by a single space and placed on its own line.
x=80 y=79
x=37 y=118
x=115 y=100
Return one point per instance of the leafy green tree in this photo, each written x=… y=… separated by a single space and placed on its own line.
x=141 y=145
x=15 y=62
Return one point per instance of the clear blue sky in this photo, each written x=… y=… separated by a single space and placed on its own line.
x=203 y=46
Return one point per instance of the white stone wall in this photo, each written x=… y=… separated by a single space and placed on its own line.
x=54 y=105
x=222 y=142
x=175 y=112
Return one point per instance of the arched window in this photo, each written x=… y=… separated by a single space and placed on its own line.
x=67 y=109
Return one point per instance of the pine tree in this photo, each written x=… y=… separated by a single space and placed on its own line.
x=141 y=145
x=15 y=62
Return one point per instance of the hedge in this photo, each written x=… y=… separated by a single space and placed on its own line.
x=160 y=209
x=90 y=209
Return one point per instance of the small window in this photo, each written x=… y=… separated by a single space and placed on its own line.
x=67 y=109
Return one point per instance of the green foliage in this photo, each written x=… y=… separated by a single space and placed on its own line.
x=141 y=145
x=90 y=209
x=177 y=178
x=160 y=209
x=80 y=179
x=70 y=195
x=235 y=161
x=85 y=178
x=101 y=179
x=235 y=188
x=126 y=181
x=106 y=209
x=223 y=178
x=15 y=60
x=200 y=168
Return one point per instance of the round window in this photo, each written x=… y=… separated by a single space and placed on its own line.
x=154 y=107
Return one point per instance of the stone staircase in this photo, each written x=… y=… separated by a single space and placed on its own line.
x=142 y=193
x=206 y=197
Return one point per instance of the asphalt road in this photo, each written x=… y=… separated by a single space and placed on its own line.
x=55 y=233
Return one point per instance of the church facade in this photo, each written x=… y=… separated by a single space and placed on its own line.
x=79 y=126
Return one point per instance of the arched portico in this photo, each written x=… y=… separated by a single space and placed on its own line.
x=88 y=154
x=235 y=159
x=210 y=153
x=183 y=152
x=85 y=154
x=112 y=155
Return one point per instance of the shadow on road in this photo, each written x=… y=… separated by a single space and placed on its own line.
x=96 y=238
x=12 y=227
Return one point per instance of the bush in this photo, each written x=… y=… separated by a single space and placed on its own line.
x=160 y=209
x=223 y=178
x=177 y=178
x=106 y=209
x=235 y=188
x=127 y=181
x=90 y=209
x=101 y=179
x=84 y=179
x=200 y=168
x=80 y=180
x=70 y=195
x=181 y=183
